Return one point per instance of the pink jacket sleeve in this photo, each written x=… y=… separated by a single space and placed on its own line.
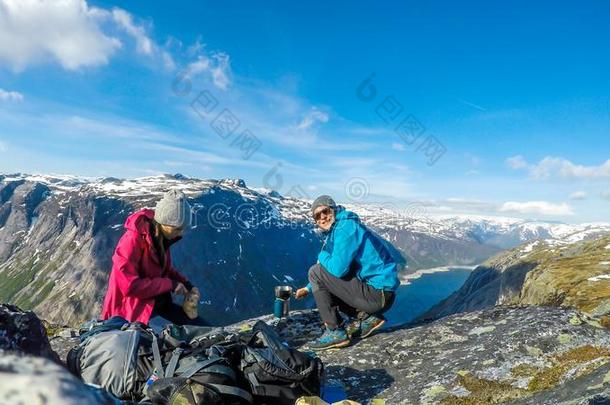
x=125 y=265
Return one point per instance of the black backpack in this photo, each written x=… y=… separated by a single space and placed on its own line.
x=183 y=391
x=197 y=379
x=278 y=374
x=192 y=373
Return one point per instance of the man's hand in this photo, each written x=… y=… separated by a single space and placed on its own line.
x=180 y=289
x=301 y=293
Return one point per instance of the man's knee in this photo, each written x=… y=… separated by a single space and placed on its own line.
x=314 y=274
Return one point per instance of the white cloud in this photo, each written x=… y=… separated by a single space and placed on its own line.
x=67 y=31
x=96 y=128
x=578 y=195
x=220 y=70
x=473 y=105
x=216 y=65
x=516 y=162
x=470 y=206
x=144 y=44
x=536 y=207
x=168 y=60
x=605 y=194
x=398 y=146
x=466 y=204
x=313 y=116
x=3 y=147
x=10 y=95
x=557 y=167
x=200 y=65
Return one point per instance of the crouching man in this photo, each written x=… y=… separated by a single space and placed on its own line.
x=355 y=274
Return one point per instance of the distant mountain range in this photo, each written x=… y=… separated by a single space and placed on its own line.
x=57 y=235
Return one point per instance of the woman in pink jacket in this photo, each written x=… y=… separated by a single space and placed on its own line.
x=143 y=277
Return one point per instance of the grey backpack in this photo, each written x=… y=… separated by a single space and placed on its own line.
x=129 y=361
x=115 y=360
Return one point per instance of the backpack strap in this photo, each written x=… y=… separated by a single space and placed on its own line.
x=189 y=372
x=268 y=335
x=173 y=362
x=266 y=390
x=234 y=391
x=156 y=356
x=220 y=369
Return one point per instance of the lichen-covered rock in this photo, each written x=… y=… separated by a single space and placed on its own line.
x=30 y=371
x=22 y=332
x=528 y=355
x=38 y=381
x=62 y=344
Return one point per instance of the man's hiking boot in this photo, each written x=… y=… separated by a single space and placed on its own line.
x=331 y=339
x=353 y=328
x=369 y=325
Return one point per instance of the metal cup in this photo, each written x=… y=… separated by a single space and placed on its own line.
x=283 y=291
x=281 y=306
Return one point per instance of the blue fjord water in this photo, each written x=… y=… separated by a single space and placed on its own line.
x=414 y=298
x=422 y=293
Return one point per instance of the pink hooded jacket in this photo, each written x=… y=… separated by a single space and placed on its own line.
x=137 y=276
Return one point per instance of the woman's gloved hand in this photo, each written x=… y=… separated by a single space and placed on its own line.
x=191 y=301
x=180 y=289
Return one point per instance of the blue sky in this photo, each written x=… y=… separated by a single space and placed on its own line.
x=509 y=104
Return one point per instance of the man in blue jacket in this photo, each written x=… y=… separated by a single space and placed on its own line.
x=355 y=274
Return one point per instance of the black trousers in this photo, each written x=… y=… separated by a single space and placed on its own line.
x=349 y=295
x=167 y=309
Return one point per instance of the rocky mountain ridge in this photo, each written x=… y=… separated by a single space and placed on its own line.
x=58 y=234
x=542 y=272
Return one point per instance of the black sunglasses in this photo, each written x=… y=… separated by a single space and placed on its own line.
x=325 y=211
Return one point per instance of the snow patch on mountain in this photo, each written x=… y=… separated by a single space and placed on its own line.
x=529 y=247
x=503 y=232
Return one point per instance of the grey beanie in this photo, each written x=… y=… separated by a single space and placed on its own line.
x=173 y=210
x=323 y=200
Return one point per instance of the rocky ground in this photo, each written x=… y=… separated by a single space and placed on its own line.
x=500 y=355
x=520 y=355
x=529 y=355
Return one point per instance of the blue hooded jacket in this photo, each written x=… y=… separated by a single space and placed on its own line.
x=351 y=248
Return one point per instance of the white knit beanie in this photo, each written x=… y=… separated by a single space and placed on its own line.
x=174 y=210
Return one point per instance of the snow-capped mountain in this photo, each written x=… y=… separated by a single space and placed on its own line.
x=507 y=232
x=57 y=235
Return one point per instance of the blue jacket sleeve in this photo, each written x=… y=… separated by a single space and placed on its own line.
x=346 y=242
